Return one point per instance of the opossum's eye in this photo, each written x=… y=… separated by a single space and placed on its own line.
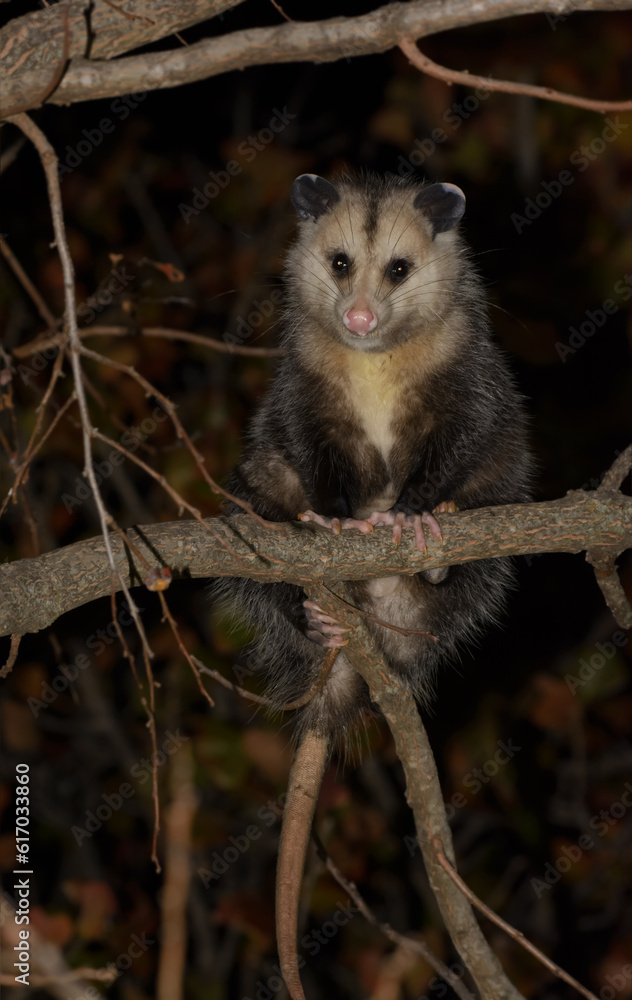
x=398 y=270
x=340 y=263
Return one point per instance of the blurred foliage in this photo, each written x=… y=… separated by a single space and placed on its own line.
x=138 y=191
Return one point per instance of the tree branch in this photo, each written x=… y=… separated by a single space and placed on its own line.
x=37 y=591
x=426 y=65
x=423 y=793
x=511 y=931
x=308 y=41
x=36 y=40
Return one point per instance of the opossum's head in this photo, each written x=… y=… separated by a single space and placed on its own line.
x=375 y=262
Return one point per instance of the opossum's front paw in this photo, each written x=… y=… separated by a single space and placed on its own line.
x=322 y=628
x=336 y=524
x=398 y=520
x=446 y=507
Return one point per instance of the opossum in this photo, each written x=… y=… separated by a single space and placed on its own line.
x=391 y=403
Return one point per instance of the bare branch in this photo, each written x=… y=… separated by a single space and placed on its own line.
x=50 y=165
x=307 y=41
x=37 y=39
x=45 y=341
x=178 y=823
x=511 y=931
x=620 y=468
x=401 y=940
x=426 y=65
x=26 y=282
x=12 y=657
x=423 y=793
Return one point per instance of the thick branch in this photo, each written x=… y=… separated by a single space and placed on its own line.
x=37 y=591
x=35 y=41
x=316 y=41
x=423 y=793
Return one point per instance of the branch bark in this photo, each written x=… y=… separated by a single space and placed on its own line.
x=309 y=41
x=37 y=591
x=35 y=41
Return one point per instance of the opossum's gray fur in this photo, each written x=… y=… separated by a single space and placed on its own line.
x=456 y=432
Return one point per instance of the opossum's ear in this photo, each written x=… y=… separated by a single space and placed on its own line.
x=442 y=204
x=313 y=196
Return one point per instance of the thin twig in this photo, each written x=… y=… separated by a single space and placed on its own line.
x=42 y=342
x=278 y=7
x=13 y=653
x=28 y=286
x=181 y=503
x=169 y=407
x=402 y=940
x=617 y=472
x=130 y=17
x=317 y=686
x=32 y=450
x=259 y=699
x=515 y=934
x=116 y=420
x=193 y=663
x=380 y=621
x=10 y=155
x=50 y=165
x=426 y=65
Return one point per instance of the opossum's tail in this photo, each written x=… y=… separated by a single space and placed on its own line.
x=305 y=780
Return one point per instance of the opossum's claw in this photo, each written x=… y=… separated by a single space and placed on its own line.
x=337 y=524
x=399 y=520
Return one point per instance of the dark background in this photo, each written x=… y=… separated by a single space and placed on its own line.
x=131 y=194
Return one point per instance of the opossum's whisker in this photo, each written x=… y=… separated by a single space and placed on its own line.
x=403 y=233
x=401 y=209
x=441 y=319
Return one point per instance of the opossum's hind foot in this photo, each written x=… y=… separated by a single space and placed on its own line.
x=336 y=524
x=323 y=629
x=398 y=520
x=439 y=574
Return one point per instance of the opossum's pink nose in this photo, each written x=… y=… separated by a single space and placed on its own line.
x=359 y=321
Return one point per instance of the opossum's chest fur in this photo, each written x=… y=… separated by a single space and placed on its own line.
x=375 y=394
x=374 y=389
x=372 y=407
x=374 y=386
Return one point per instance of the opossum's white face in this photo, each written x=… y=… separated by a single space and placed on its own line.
x=374 y=267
